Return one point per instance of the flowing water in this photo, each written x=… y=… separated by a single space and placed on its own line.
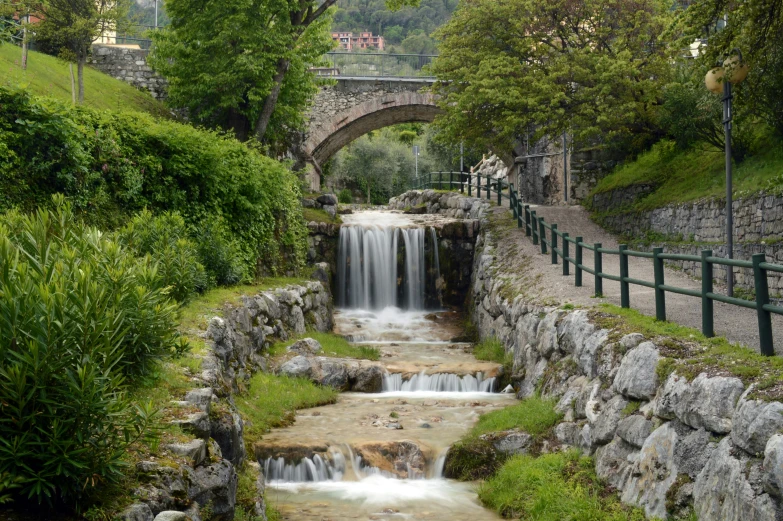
x=381 y=456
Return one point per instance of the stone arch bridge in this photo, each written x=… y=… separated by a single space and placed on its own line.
x=355 y=106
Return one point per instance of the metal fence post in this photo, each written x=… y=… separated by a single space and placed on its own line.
x=478 y=186
x=513 y=201
x=489 y=188
x=542 y=235
x=577 y=262
x=520 y=217
x=625 y=287
x=762 y=299
x=430 y=183
x=534 y=227
x=553 y=243
x=527 y=220
x=660 y=294
x=566 y=270
x=451 y=181
x=500 y=192
x=707 y=305
x=598 y=266
x=461 y=182
x=470 y=184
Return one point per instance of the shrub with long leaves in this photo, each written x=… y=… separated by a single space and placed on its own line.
x=80 y=317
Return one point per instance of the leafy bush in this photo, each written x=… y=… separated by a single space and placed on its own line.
x=111 y=165
x=220 y=253
x=345 y=196
x=79 y=316
x=165 y=240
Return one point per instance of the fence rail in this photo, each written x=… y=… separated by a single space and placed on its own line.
x=380 y=65
x=557 y=244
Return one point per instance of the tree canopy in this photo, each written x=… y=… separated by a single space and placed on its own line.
x=586 y=66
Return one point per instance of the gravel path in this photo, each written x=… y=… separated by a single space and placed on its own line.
x=736 y=324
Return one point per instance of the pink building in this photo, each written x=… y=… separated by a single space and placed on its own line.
x=364 y=40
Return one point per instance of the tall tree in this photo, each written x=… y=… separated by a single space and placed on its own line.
x=244 y=64
x=587 y=66
x=70 y=27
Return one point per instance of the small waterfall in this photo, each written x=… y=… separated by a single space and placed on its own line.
x=369 y=265
x=440 y=464
x=442 y=382
x=436 y=263
x=308 y=469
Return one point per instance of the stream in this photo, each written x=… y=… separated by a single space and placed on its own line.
x=381 y=456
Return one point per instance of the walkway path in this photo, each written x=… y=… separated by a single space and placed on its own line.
x=735 y=323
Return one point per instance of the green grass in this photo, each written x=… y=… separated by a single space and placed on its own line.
x=271 y=401
x=49 y=76
x=689 y=353
x=681 y=176
x=553 y=487
x=490 y=350
x=534 y=415
x=320 y=216
x=333 y=345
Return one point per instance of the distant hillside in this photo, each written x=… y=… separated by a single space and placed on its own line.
x=48 y=76
x=406 y=30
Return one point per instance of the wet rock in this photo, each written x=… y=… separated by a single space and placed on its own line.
x=321 y=272
x=416 y=210
x=332 y=374
x=216 y=484
x=305 y=346
x=137 y=512
x=172 y=515
x=636 y=377
x=366 y=379
x=405 y=459
x=227 y=430
x=196 y=424
x=327 y=199
x=195 y=451
x=773 y=466
x=725 y=490
x=754 y=423
x=344 y=211
x=393 y=425
x=634 y=429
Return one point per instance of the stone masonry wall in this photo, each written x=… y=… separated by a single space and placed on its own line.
x=664 y=444
x=238 y=342
x=129 y=65
x=692 y=227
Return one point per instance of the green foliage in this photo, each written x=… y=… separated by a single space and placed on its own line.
x=345 y=196
x=111 y=165
x=270 y=401
x=553 y=487
x=165 y=240
x=219 y=252
x=79 y=317
x=491 y=350
x=514 y=65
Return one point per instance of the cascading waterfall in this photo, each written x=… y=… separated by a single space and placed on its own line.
x=308 y=469
x=442 y=382
x=369 y=267
x=436 y=258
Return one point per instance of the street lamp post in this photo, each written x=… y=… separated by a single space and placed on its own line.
x=720 y=80
x=416 y=158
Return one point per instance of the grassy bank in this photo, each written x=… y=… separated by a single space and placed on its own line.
x=679 y=176
x=553 y=487
x=49 y=76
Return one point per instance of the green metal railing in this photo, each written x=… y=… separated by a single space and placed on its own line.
x=558 y=245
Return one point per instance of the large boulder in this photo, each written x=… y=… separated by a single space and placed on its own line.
x=137 y=512
x=606 y=424
x=634 y=429
x=297 y=367
x=509 y=443
x=216 y=484
x=196 y=424
x=636 y=377
x=194 y=451
x=227 y=430
x=366 y=378
x=327 y=199
x=773 y=466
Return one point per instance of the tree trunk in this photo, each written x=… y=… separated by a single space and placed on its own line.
x=239 y=124
x=82 y=60
x=24 y=46
x=73 y=84
x=271 y=99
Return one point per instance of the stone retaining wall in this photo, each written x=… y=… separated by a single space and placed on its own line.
x=238 y=342
x=664 y=444
x=129 y=65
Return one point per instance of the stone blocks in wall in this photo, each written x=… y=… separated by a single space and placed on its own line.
x=129 y=65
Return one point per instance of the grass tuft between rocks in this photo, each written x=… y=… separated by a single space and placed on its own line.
x=333 y=345
x=553 y=487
